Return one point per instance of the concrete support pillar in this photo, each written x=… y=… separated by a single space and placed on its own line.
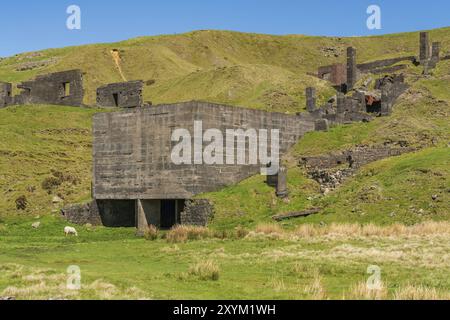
x=141 y=219
x=311 y=99
x=424 y=47
x=351 y=68
x=341 y=104
x=386 y=104
x=361 y=100
x=282 y=190
x=435 y=51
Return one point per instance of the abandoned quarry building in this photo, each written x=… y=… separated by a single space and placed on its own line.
x=122 y=95
x=135 y=180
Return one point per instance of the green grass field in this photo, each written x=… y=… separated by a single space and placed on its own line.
x=46 y=151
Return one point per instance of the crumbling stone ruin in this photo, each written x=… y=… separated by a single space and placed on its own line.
x=5 y=94
x=363 y=104
x=429 y=54
x=60 y=88
x=123 y=95
x=336 y=74
x=332 y=169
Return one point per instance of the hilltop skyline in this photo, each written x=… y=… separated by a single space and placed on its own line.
x=43 y=25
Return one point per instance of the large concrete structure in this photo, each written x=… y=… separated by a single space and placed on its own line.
x=61 y=88
x=123 y=95
x=135 y=175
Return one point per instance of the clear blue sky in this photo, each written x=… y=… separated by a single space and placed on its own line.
x=29 y=25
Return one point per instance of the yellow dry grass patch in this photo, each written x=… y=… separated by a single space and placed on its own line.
x=45 y=284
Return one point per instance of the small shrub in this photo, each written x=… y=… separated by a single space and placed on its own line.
x=206 y=270
x=50 y=183
x=241 y=232
x=57 y=179
x=21 y=203
x=151 y=233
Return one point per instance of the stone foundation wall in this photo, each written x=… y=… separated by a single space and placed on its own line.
x=197 y=212
x=83 y=213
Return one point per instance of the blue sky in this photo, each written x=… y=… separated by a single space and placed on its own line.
x=29 y=25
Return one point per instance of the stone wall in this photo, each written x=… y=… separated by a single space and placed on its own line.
x=123 y=95
x=197 y=212
x=83 y=213
x=132 y=149
x=355 y=157
x=61 y=88
x=375 y=65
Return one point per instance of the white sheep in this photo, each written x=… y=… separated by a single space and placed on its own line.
x=70 y=231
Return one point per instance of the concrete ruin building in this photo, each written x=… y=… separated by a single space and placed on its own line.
x=137 y=183
x=5 y=94
x=122 y=95
x=60 y=88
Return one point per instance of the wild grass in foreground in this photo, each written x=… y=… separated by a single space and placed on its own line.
x=267 y=262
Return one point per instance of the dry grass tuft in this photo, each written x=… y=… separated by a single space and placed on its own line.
x=411 y=292
x=151 y=233
x=45 y=284
x=185 y=233
x=362 y=292
x=206 y=270
x=316 y=290
x=269 y=229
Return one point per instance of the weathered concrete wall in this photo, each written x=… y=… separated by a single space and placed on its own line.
x=132 y=149
x=61 y=88
x=5 y=94
x=123 y=95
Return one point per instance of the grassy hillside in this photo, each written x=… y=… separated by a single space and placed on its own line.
x=46 y=157
x=45 y=151
x=37 y=143
x=308 y=263
x=397 y=189
x=253 y=70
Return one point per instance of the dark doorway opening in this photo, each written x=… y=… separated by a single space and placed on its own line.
x=375 y=107
x=168 y=213
x=116 y=99
x=117 y=213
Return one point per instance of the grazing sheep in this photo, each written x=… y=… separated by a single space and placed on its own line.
x=70 y=231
